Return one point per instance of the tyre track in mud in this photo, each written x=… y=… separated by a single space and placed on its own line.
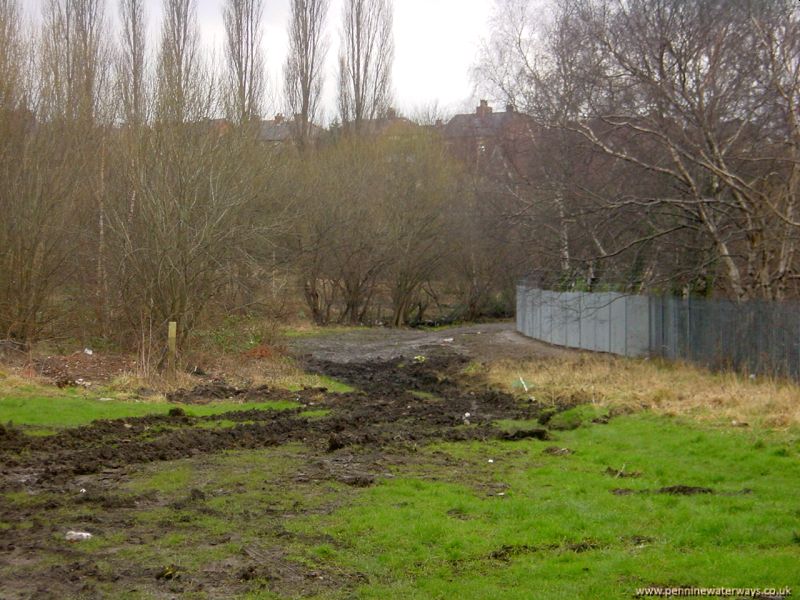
x=387 y=409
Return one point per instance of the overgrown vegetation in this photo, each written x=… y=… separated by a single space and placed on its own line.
x=672 y=389
x=138 y=187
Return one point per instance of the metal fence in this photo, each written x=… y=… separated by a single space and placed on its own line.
x=756 y=337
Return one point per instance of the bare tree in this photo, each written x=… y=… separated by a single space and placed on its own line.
x=37 y=193
x=692 y=104
x=76 y=59
x=245 y=72
x=11 y=49
x=365 y=61
x=132 y=62
x=303 y=76
x=180 y=99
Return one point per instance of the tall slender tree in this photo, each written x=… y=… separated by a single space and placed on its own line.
x=365 y=60
x=303 y=77
x=178 y=99
x=245 y=63
x=132 y=62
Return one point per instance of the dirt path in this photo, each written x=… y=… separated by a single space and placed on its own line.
x=490 y=341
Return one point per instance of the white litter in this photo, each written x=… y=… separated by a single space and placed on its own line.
x=78 y=536
x=467 y=415
x=524 y=385
x=88 y=351
x=448 y=340
x=83 y=491
x=491 y=461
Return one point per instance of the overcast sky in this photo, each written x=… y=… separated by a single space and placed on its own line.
x=436 y=43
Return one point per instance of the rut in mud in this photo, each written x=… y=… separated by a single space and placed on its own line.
x=398 y=402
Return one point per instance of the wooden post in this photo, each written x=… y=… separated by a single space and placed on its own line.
x=173 y=346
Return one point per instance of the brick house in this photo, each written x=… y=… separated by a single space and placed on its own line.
x=497 y=144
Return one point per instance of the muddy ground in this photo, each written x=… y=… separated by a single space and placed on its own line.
x=411 y=391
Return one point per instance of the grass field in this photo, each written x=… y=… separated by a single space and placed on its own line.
x=531 y=524
x=623 y=495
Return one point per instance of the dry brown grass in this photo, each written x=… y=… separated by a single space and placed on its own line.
x=239 y=370
x=665 y=388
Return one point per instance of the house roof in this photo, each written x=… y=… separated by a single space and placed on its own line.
x=486 y=124
x=280 y=129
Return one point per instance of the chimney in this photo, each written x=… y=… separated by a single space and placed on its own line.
x=278 y=119
x=484 y=109
x=510 y=108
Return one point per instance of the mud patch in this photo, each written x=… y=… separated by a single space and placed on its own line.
x=622 y=473
x=556 y=451
x=526 y=434
x=675 y=490
x=219 y=390
x=506 y=553
x=84 y=369
x=685 y=490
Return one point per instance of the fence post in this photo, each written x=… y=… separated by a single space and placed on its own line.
x=172 y=345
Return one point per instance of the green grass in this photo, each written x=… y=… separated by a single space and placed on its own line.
x=424 y=395
x=468 y=520
x=315 y=414
x=558 y=531
x=46 y=412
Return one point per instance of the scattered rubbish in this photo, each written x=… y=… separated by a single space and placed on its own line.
x=419 y=359
x=88 y=351
x=105 y=399
x=491 y=461
x=467 y=415
x=521 y=383
x=448 y=340
x=128 y=426
x=501 y=493
x=78 y=536
x=169 y=573
x=82 y=490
